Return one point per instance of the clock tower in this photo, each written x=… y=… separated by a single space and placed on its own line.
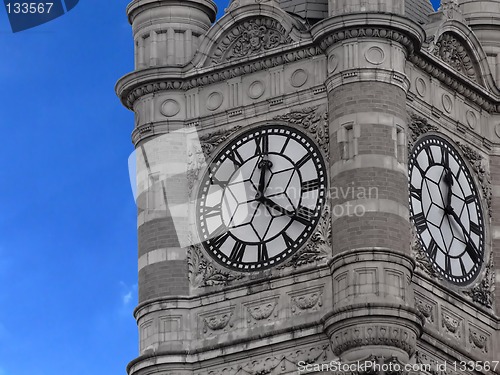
x=316 y=184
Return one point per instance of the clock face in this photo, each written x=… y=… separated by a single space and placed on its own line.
x=445 y=209
x=261 y=198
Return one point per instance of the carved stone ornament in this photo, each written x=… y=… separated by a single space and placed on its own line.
x=483 y=292
x=261 y=312
x=451 y=325
x=313 y=119
x=250 y=38
x=275 y=364
x=430 y=362
x=478 y=340
x=204 y=273
x=422 y=260
x=216 y=323
x=476 y=162
x=309 y=302
x=425 y=308
x=319 y=246
x=418 y=126
x=374 y=334
x=197 y=156
x=453 y=52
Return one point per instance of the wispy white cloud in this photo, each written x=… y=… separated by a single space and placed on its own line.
x=128 y=293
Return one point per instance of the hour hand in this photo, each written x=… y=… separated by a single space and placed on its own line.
x=263 y=165
x=269 y=203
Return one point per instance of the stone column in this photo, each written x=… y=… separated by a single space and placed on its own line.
x=373 y=310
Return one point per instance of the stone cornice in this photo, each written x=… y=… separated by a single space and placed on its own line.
x=336 y=29
x=148 y=81
x=471 y=90
x=378 y=25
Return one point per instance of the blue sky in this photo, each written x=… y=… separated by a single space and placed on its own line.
x=68 y=229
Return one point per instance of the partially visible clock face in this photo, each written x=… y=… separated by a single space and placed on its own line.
x=261 y=198
x=446 y=209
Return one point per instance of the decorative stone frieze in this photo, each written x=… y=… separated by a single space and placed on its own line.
x=452 y=325
x=483 y=292
x=417 y=127
x=215 y=322
x=249 y=38
x=314 y=120
x=306 y=301
x=453 y=52
x=274 y=364
x=319 y=246
x=262 y=311
x=427 y=309
x=374 y=334
x=478 y=340
x=204 y=273
x=422 y=260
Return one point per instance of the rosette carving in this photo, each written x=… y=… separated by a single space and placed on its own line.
x=249 y=38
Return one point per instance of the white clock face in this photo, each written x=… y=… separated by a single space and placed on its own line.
x=445 y=209
x=261 y=198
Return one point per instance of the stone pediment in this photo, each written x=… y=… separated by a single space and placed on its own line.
x=250 y=37
x=454 y=52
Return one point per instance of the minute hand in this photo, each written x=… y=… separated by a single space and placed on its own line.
x=269 y=203
x=451 y=211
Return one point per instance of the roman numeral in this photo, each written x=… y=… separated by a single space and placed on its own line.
x=304 y=215
x=445 y=156
x=285 y=145
x=310 y=185
x=263 y=254
x=304 y=160
x=420 y=222
x=470 y=199
x=471 y=249
x=212 y=211
x=288 y=241
x=219 y=236
x=447 y=266
x=432 y=249
x=430 y=156
x=475 y=228
x=238 y=252
x=262 y=144
x=416 y=193
x=236 y=158
x=462 y=266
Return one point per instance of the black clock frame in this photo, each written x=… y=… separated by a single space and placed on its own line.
x=210 y=244
x=423 y=144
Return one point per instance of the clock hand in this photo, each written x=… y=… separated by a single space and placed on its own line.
x=263 y=165
x=292 y=214
x=449 y=210
x=448 y=178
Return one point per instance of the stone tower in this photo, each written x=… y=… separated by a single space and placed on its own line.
x=280 y=226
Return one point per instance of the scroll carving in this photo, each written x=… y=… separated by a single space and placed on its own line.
x=250 y=38
x=313 y=119
x=418 y=126
x=483 y=292
x=203 y=273
x=318 y=247
x=476 y=161
x=453 y=52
